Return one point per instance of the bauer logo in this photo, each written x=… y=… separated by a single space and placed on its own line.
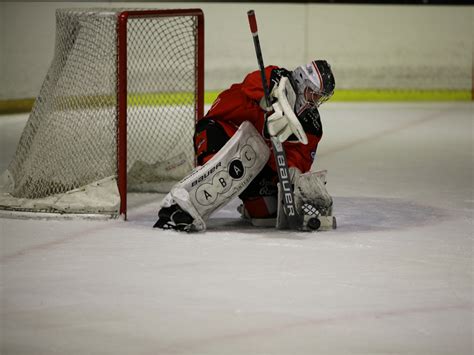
x=236 y=169
x=209 y=173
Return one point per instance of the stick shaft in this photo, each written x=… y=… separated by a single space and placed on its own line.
x=258 y=52
x=278 y=150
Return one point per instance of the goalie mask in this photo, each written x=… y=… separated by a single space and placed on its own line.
x=315 y=81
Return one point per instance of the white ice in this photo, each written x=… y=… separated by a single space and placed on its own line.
x=396 y=277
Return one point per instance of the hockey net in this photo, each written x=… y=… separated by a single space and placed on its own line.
x=116 y=112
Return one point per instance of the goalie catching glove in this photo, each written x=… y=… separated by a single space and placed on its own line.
x=283 y=122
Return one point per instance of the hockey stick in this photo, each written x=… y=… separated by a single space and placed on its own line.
x=294 y=220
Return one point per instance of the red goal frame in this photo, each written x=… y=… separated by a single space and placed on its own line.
x=122 y=22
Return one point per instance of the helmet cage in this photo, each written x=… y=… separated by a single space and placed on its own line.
x=316 y=98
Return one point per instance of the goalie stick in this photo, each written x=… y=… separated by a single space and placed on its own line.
x=293 y=218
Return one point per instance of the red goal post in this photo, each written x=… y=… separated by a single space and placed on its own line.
x=122 y=22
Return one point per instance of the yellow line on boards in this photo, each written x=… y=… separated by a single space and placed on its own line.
x=164 y=99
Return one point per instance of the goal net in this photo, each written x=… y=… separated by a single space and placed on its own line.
x=116 y=112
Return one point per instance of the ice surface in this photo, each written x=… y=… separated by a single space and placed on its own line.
x=396 y=277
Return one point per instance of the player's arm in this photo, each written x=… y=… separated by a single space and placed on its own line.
x=252 y=84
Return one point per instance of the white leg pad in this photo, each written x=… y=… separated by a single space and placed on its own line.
x=225 y=176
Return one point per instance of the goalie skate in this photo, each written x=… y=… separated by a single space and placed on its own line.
x=174 y=217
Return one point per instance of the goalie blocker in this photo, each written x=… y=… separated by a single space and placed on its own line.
x=210 y=186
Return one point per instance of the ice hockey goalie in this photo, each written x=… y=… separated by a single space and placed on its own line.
x=234 y=157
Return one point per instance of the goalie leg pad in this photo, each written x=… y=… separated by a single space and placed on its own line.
x=313 y=202
x=223 y=177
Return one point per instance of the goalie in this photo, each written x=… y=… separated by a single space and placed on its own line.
x=234 y=159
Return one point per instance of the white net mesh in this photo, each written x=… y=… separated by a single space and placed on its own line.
x=70 y=140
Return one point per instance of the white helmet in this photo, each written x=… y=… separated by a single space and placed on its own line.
x=315 y=81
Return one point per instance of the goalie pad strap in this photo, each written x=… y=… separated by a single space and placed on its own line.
x=223 y=177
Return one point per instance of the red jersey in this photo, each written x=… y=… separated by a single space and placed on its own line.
x=241 y=102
